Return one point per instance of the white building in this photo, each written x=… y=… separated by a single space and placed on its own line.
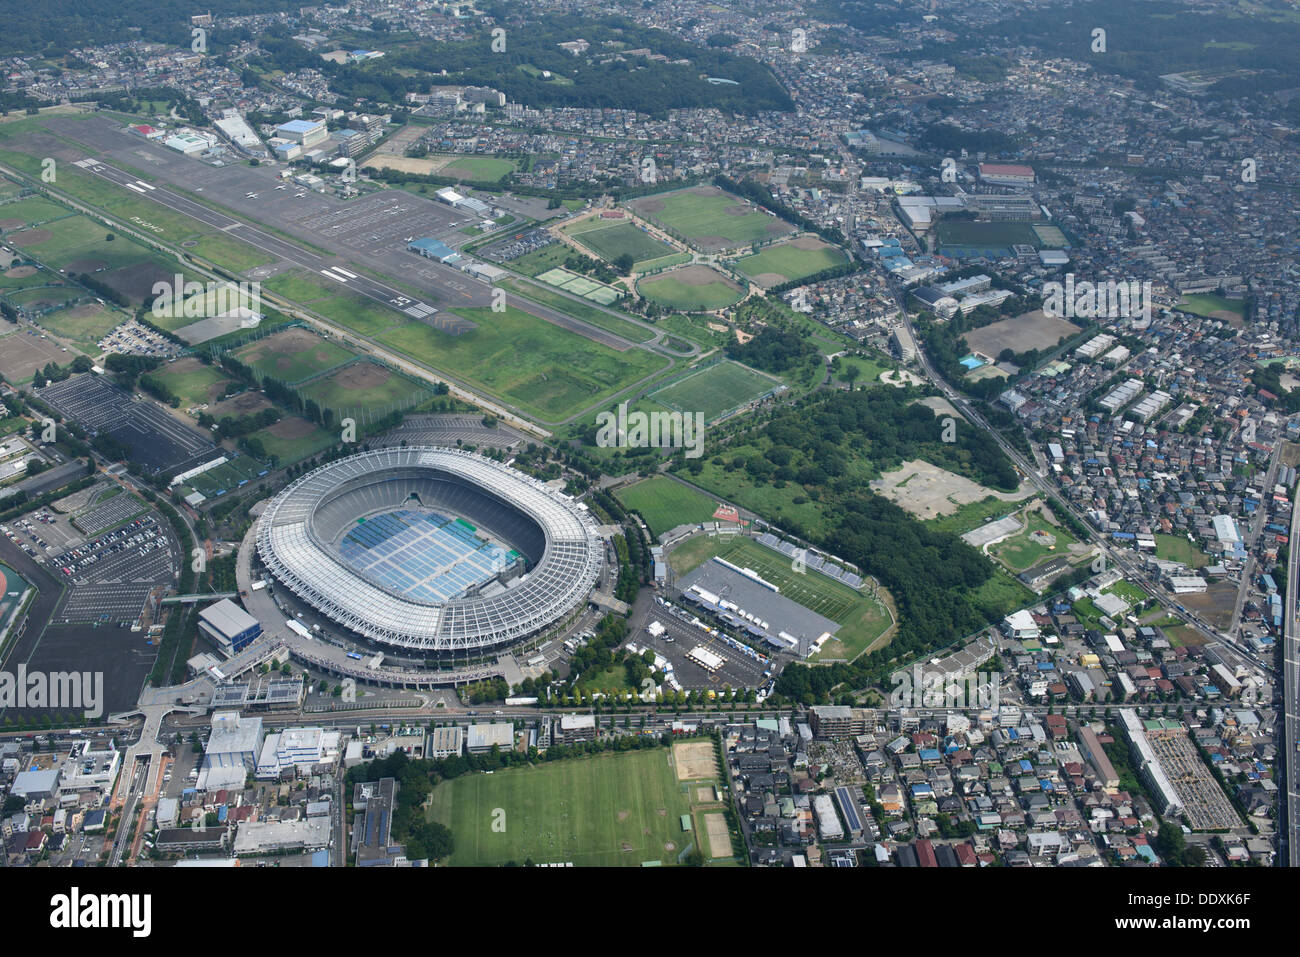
x=1020 y=624
x=296 y=748
x=234 y=744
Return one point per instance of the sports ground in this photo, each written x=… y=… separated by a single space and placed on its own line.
x=607 y=810
x=665 y=504
x=716 y=389
x=691 y=289
x=611 y=239
x=788 y=261
x=710 y=218
x=863 y=619
x=292 y=355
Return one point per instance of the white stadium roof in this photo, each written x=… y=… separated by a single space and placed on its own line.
x=294 y=542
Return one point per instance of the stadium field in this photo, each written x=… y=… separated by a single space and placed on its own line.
x=710 y=218
x=610 y=240
x=292 y=355
x=714 y=390
x=665 y=504
x=785 y=262
x=607 y=810
x=691 y=289
x=863 y=619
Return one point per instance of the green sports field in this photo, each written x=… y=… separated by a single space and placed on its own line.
x=543 y=370
x=786 y=262
x=710 y=218
x=971 y=233
x=192 y=382
x=479 y=169
x=691 y=289
x=608 y=810
x=863 y=619
x=611 y=239
x=716 y=389
x=1212 y=306
x=665 y=504
x=292 y=355
x=365 y=386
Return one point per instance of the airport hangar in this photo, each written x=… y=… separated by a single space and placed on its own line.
x=431 y=550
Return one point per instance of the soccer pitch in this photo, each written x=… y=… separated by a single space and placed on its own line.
x=710 y=218
x=609 y=240
x=715 y=390
x=785 y=262
x=608 y=810
x=665 y=504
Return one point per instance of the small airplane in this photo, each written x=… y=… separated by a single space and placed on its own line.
x=282 y=186
x=250 y=196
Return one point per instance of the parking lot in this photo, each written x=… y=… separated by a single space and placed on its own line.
x=737 y=669
x=154 y=439
x=111 y=574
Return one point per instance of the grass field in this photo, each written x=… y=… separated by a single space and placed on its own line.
x=1028 y=548
x=292 y=355
x=863 y=618
x=1176 y=548
x=87 y=323
x=479 y=169
x=608 y=810
x=293 y=439
x=714 y=390
x=710 y=218
x=365 y=385
x=541 y=260
x=226 y=477
x=571 y=307
x=785 y=262
x=348 y=309
x=1212 y=307
x=193 y=382
x=665 y=504
x=611 y=239
x=971 y=233
x=543 y=370
x=691 y=289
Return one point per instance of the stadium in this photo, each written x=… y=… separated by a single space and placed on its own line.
x=433 y=550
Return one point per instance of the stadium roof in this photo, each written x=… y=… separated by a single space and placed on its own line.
x=295 y=533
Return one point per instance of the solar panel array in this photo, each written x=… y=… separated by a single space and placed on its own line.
x=298 y=532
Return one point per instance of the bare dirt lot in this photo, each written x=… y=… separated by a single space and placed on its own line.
x=1030 y=330
x=405 y=164
x=715 y=828
x=30 y=237
x=20 y=272
x=22 y=353
x=694 y=760
x=246 y=403
x=928 y=491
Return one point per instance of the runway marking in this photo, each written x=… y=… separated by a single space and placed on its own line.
x=350 y=275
